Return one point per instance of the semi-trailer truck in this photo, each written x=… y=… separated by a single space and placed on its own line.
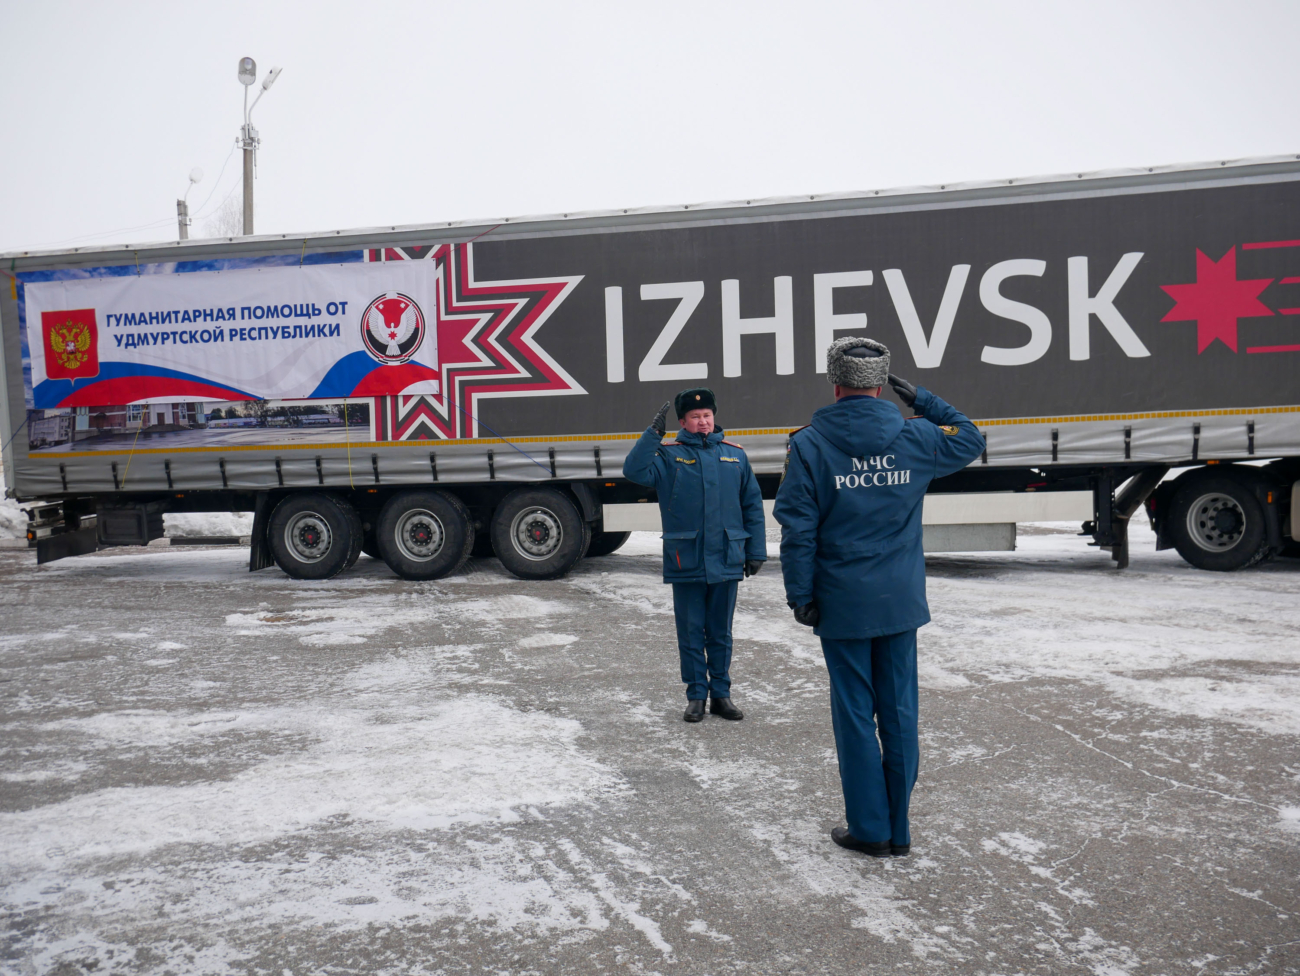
x=425 y=393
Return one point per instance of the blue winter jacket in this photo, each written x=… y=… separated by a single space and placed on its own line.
x=850 y=510
x=711 y=506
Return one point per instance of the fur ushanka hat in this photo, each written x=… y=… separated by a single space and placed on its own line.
x=700 y=398
x=857 y=363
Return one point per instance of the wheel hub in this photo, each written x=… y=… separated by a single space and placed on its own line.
x=419 y=535
x=536 y=533
x=1216 y=522
x=308 y=537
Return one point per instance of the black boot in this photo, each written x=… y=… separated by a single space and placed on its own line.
x=694 y=711
x=724 y=708
x=900 y=850
x=842 y=837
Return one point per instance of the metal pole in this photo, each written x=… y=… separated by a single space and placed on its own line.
x=183 y=219
x=248 y=180
x=248 y=141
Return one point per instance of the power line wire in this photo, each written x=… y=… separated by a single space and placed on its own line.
x=107 y=233
x=216 y=185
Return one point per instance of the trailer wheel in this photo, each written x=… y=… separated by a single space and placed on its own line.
x=1216 y=523
x=538 y=534
x=311 y=536
x=424 y=535
x=603 y=543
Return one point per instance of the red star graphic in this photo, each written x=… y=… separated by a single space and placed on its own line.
x=1217 y=300
x=487 y=346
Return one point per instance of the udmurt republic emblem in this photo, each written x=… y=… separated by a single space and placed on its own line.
x=392 y=328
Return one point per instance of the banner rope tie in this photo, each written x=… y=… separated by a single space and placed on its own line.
x=132 y=453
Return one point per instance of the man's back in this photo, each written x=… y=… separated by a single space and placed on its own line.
x=850 y=507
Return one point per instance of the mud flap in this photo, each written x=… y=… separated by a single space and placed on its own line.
x=588 y=503
x=259 y=553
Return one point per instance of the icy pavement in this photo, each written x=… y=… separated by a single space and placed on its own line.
x=207 y=771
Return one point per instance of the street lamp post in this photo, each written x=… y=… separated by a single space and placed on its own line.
x=183 y=206
x=248 y=138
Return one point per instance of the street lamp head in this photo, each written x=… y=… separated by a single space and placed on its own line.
x=270 y=78
x=247 y=71
x=196 y=174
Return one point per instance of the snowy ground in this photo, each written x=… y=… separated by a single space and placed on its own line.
x=207 y=771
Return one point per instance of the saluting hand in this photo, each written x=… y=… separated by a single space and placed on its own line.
x=752 y=566
x=905 y=390
x=660 y=424
x=808 y=614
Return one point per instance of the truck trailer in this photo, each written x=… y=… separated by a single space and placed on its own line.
x=426 y=393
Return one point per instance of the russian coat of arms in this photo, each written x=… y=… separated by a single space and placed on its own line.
x=70 y=343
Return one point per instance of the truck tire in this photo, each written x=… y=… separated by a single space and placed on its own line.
x=538 y=534
x=1216 y=523
x=603 y=543
x=424 y=535
x=311 y=536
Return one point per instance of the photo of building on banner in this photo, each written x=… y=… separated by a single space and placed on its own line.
x=211 y=424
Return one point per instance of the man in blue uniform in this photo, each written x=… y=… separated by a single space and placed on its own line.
x=712 y=512
x=850 y=512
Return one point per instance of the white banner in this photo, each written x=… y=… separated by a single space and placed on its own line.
x=321 y=331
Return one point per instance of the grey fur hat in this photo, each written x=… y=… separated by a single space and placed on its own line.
x=857 y=363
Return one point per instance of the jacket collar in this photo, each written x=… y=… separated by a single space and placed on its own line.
x=687 y=439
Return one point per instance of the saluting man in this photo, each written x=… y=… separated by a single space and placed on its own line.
x=850 y=512
x=712 y=512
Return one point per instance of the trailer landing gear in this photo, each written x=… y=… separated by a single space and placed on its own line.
x=1112 y=511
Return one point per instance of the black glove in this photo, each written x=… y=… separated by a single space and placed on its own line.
x=808 y=614
x=660 y=424
x=752 y=566
x=905 y=390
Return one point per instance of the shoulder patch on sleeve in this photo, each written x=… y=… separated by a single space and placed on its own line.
x=785 y=468
x=949 y=430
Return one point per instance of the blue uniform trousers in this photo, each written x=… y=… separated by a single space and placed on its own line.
x=873 y=680
x=703 y=612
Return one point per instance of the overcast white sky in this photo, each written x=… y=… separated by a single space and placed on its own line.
x=399 y=113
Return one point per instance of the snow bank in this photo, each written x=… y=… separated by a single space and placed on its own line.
x=189 y=524
x=13 y=520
